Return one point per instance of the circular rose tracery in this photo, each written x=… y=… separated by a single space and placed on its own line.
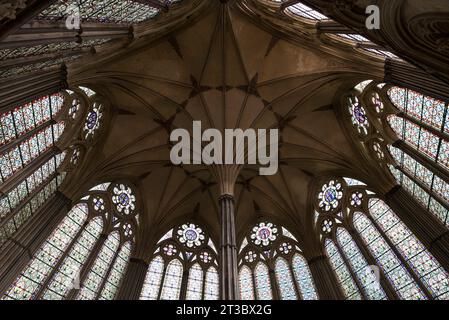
x=264 y=233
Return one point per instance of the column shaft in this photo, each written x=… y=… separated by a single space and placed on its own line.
x=228 y=250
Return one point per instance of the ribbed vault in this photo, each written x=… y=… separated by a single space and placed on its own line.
x=229 y=73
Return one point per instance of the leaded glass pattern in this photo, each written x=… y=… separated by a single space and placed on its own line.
x=107 y=11
x=347 y=283
x=392 y=267
x=153 y=279
x=45 y=259
x=306 y=12
x=192 y=249
x=304 y=278
x=360 y=266
x=195 y=283
x=68 y=272
x=211 y=285
x=171 y=286
x=246 y=284
x=262 y=282
x=116 y=274
x=285 y=280
x=100 y=267
x=430 y=272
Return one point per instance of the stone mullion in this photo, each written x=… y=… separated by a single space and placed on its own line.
x=325 y=279
x=203 y=286
x=387 y=286
x=25 y=201
x=86 y=268
x=437 y=132
x=425 y=161
x=19 y=250
x=426 y=227
x=184 y=283
x=58 y=264
x=299 y=294
x=108 y=272
x=351 y=271
x=276 y=291
x=19 y=176
x=131 y=285
x=401 y=258
x=162 y=280
x=10 y=145
x=424 y=187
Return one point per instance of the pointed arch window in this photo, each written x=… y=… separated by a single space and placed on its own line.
x=374 y=254
x=87 y=254
x=418 y=125
x=184 y=266
x=272 y=266
x=29 y=160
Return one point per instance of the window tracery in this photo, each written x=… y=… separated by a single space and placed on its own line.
x=184 y=266
x=67 y=266
x=366 y=234
x=410 y=139
x=271 y=266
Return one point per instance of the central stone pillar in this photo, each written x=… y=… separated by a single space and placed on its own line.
x=226 y=175
x=228 y=250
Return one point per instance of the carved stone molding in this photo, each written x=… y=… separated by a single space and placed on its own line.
x=9 y=8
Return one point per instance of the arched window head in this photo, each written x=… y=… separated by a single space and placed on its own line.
x=408 y=137
x=371 y=251
x=30 y=159
x=184 y=266
x=86 y=256
x=272 y=265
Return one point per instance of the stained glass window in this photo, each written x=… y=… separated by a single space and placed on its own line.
x=246 y=284
x=284 y=280
x=270 y=245
x=195 y=283
x=392 y=267
x=185 y=245
x=64 y=258
x=211 y=286
x=262 y=282
x=430 y=272
x=304 y=278
x=360 y=266
x=153 y=279
x=171 y=287
x=341 y=270
x=32 y=278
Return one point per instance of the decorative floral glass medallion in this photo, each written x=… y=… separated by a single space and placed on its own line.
x=124 y=199
x=326 y=226
x=378 y=150
x=358 y=115
x=250 y=256
x=205 y=257
x=285 y=248
x=75 y=156
x=127 y=229
x=191 y=235
x=170 y=250
x=92 y=123
x=356 y=199
x=98 y=203
x=264 y=233
x=74 y=108
x=377 y=102
x=330 y=195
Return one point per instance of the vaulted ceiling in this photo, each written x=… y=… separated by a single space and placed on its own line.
x=230 y=64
